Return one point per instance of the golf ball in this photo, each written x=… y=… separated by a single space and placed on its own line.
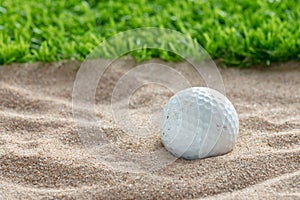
x=199 y=122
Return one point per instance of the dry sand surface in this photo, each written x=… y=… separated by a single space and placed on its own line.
x=41 y=154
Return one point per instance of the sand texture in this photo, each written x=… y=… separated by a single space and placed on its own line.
x=41 y=154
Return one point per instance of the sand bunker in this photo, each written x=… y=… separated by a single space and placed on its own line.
x=41 y=154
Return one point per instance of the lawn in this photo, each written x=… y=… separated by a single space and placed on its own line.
x=237 y=32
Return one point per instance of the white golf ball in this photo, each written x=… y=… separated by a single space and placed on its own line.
x=199 y=122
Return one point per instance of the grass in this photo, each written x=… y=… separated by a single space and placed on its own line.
x=238 y=32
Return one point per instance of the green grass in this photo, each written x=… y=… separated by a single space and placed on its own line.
x=238 y=32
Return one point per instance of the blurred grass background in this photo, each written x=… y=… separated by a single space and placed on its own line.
x=237 y=32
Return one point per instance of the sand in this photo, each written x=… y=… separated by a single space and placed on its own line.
x=41 y=154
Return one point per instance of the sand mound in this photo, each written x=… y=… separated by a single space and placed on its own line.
x=41 y=154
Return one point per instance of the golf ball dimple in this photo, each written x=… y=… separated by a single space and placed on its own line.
x=199 y=122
